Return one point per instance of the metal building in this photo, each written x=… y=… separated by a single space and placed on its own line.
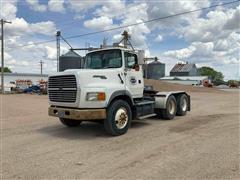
x=186 y=80
x=154 y=70
x=70 y=60
x=181 y=69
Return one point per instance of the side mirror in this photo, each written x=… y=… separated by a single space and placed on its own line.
x=136 y=67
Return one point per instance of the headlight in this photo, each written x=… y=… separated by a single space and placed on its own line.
x=96 y=96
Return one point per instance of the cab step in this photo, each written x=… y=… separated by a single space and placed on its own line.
x=146 y=116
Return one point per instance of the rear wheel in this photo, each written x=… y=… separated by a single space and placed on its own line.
x=70 y=122
x=182 y=105
x=119 y=116
x=171 y=108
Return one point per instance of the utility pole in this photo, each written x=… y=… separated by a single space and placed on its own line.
x=41 y=65
x=2 y=53
x=58 y=35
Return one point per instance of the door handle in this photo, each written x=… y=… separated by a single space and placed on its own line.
x=120 y=78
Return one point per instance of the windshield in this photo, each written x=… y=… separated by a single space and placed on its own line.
x=104 y=59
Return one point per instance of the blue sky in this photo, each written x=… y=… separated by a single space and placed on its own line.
x=207 y=38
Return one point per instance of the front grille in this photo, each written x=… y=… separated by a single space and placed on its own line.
x=62 y=88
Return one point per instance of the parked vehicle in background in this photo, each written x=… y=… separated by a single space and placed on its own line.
x=207 y=83
x=233 y=84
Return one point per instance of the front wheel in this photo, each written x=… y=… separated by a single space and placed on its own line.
x=119 y=116
x=70 y=122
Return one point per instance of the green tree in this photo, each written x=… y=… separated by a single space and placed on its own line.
x=217 y=77
x=6 y=69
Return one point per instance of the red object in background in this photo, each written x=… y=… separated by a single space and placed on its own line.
x=206 y=83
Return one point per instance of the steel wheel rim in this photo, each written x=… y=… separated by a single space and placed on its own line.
x=172 y=107
x=121 y=118
x=184 y=104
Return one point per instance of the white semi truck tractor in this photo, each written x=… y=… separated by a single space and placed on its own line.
x=110 y=89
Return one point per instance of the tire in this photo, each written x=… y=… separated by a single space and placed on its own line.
x=182 y=105
x=70 y=122
x=171 y=108
x=119 y=117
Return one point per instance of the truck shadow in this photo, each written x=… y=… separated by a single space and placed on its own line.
x=138 y=124
x=86 y=131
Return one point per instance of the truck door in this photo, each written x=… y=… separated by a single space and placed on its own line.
x=133 y=75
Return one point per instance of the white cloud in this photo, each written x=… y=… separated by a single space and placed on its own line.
x=159 y=38
x=117 y=37
x=127 y=13
x=199 y=52
x=22 y=32
x=221 y=45
x=47 y=28
x=180 y=54
x=79 y=17
x=99 y=23
x=207 y=29
x=36 y=6
x=136 y=14
x=56 y=6
x=51 y=52
x=8 y=10
x=20 y=27
x=214 y=41
x=82 y=6
x=233 y=20
x=11 y=62
x=112 y=9
x=103 y=8
x=24 y=63
x=158 y=9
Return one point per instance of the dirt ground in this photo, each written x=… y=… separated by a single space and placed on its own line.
x=202 y=145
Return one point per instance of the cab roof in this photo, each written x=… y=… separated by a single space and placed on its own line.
x=112 y=48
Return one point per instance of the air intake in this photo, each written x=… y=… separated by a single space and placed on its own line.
x=62 y=88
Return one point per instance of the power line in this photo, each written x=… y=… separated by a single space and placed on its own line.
x=152 y=20
x=134 y=24
x=121 y=13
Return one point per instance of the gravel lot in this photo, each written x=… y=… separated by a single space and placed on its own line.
x=202 y=145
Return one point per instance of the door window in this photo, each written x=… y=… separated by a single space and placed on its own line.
x=130 y=60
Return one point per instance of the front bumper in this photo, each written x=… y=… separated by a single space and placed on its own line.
x=77 y=114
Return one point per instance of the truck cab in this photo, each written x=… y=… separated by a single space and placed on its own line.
x=110 y=88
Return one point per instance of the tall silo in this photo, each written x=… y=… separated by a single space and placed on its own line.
x=70 y=60
x=154 y=70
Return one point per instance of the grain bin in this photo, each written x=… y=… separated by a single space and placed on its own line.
x=70 y=60
x=154 y=70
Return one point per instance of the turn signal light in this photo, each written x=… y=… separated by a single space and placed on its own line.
x=101 y=96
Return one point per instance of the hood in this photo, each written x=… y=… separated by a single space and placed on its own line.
x=88 y=78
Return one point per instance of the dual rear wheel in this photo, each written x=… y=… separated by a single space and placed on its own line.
x=174 y=107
